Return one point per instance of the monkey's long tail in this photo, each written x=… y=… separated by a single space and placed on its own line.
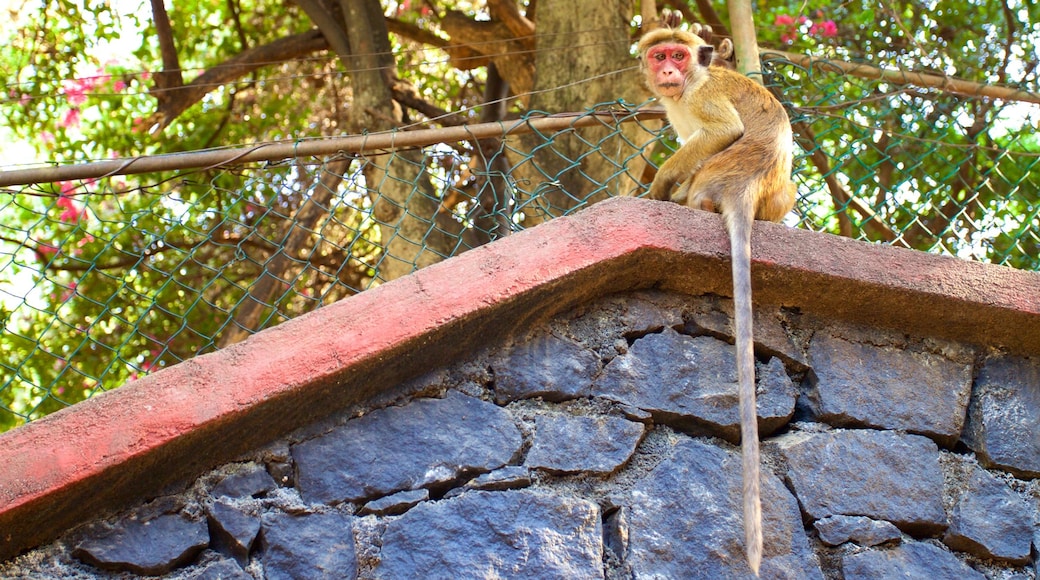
x=739 y=224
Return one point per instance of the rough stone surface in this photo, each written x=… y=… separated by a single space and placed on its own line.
x=714 y=315
x=565 y=443
x=696 y=391
x=496 y=534
x=1004 y=417
x=616 y=532
x=629 y=314
x=397 y=503
x=607 y=323
x=233 y=530
x=253 y=481
x=148 y=547
x=509 y=477
x=836 y=530
x=425 y=443
x=878 y=474
x=990 y=520
x=685 y=520
x=548 y=366
x=222 y=570
x=775 y=396
x=862 y=385
x=913 y=560
x=311 y=545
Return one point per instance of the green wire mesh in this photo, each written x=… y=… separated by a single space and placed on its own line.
x=103 y=281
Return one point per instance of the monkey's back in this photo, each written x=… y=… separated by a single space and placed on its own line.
x=758 y=164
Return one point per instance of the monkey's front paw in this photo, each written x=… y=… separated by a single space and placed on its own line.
x=659 y=190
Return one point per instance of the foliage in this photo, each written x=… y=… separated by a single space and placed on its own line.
x=111 y=279
x=939 y=171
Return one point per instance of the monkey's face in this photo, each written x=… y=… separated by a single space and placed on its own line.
x=668 y=68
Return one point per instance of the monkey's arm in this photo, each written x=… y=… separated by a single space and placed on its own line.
x=720 y=126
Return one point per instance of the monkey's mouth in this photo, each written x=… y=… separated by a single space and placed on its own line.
x=670 y=89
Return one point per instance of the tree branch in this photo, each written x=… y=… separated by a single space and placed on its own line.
x=871 y=223
x=945 y=83
x=170 y=76
x=299 y=234
x=290 y=47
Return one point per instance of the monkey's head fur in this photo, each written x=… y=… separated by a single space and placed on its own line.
x=673 y=59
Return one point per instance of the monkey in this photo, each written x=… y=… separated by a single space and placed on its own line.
x=735 y=159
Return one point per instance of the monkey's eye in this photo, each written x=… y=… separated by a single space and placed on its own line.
x=679 y=55
x=659 y=56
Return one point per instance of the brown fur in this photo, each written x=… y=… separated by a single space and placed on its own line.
x=735 y=159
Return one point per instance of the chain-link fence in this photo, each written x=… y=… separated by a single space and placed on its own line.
x=106 y=278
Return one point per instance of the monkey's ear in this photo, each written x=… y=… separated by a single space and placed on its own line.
x=704 y=54
x=725 y=49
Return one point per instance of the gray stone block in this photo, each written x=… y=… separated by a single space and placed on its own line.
x=878 y=474
x=914 y=560
x=1004 y=417
x=566 y=444
x=690 y=383
x=685 y=520
x=863 y=385
x=496 y=534
x=316 y=546
x=546 y=366
x=836 y=530
x=990 y=520
x=150 y=547
x=426 y=443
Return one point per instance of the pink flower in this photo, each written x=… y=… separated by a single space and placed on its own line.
x=45 y=251
x=119 y=86
x=47 y=137
x=75 y=91
x=71 y=119
x=788 y=27
x=69 y=292
x=826 y=28
x=72 y=213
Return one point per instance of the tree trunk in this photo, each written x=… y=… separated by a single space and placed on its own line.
x=275 y=281
x=581 y=60
x=413 y=231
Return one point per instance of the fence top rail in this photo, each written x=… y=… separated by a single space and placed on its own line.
x=352 y=144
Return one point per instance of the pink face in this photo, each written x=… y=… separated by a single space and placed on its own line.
x=669 y=65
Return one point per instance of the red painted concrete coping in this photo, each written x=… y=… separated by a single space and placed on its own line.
x=130 y=443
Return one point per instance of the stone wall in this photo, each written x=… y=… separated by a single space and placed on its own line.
x=603 y=444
